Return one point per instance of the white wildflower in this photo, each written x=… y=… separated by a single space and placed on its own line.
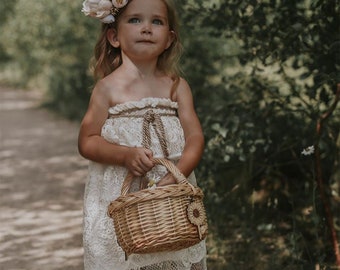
x=152 y=183
x=308 y=150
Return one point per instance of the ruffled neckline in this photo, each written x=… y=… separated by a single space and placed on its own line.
x=142 y=103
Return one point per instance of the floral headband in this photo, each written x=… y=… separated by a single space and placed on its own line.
x=105 y=10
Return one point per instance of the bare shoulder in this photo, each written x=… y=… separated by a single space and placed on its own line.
x=107 y=90
x=183 y=91
x=102 y=88
x=179 y=86
x=183 y=82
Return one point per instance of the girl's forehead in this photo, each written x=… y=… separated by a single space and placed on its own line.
x=147 y=6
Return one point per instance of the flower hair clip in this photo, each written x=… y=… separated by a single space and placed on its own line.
x=105 y=10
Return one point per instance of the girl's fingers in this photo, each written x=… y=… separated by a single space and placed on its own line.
x=138 y=172
x=149 y=153
x=167 y=180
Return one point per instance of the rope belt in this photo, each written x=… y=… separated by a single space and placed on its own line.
x=154 y=119
x=151 y=118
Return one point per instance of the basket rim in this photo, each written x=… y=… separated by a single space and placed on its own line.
x=144 y=195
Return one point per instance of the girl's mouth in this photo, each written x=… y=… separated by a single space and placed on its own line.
x=145 y=41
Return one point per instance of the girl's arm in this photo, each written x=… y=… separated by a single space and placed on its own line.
x=194 y=139
x=94 y=147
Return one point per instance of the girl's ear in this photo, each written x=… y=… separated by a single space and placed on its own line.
x=172 y=37
x=111 y=36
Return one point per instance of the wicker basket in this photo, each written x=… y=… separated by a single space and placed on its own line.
x=167 y=218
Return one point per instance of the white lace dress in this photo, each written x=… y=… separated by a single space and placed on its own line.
x=124 y=127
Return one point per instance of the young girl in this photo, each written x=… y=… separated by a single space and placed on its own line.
x=138 y=90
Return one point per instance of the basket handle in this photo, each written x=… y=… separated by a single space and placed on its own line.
x=180 y=178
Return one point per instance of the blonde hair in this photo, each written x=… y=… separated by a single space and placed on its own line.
x=107 y=58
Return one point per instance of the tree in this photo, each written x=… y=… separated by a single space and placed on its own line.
x=55 y=44
x=6 y=11
x=260 y=109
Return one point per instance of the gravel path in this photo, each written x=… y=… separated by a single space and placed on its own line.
x=42 y=181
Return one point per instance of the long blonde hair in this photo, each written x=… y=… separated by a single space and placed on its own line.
x=107 y=58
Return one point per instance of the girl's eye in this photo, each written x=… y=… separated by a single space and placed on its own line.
x=157 y=22
x=134 y=20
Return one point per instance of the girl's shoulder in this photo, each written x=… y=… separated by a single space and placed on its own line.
x=180 y=86
x=101 y=88
x=109 y=88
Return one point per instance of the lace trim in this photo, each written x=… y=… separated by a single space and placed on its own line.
x=150 y=102
x=129 y=113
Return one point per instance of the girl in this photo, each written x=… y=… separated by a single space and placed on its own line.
x=137 y=85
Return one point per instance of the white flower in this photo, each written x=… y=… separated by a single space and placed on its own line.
x=308 y=151
x=108 y=19
x=103 y=9
x=152 y=183
x=153 y=180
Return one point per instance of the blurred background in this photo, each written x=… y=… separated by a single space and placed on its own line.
x=265 y=76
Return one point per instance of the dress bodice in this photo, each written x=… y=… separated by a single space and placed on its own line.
x=124 y=125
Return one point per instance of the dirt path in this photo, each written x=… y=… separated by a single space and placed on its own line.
x=41 y=187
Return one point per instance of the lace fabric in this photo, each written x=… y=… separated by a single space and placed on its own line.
x=124 y=127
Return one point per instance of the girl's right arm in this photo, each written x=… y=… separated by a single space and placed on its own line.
x=94 y=147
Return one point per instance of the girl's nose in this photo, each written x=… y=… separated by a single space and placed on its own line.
x=146 y=29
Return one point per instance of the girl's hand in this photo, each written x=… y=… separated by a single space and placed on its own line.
x=138 y=161
x=168 y=179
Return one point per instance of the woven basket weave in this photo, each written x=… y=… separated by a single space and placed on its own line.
x=167 y=218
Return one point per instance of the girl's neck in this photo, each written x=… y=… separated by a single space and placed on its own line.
x=140 y=69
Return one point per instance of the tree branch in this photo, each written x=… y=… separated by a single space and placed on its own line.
x=319 y=175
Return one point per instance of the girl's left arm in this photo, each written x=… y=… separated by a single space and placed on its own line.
x=194 y=138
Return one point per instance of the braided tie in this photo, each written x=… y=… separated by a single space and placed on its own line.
x=154 y=119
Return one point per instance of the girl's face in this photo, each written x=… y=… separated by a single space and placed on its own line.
x=143 y=31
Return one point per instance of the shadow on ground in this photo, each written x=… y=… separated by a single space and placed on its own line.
x=42 y=181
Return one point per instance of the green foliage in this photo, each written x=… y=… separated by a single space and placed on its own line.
x=259 y=102
x=262 y=73
x=53 y=40
x=6 y=11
